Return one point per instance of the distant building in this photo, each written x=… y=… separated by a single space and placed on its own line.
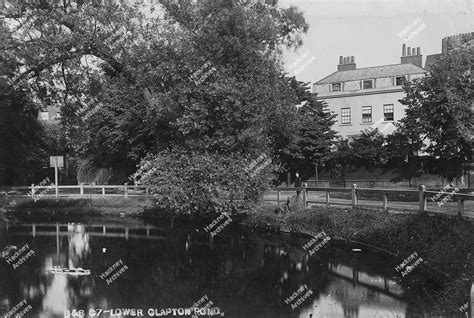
x=450 y=43
x=368 y=97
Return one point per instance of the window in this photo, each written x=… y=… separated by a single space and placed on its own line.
x=345 y=115
x=399 y=80
x=336 y=87
x=366 y=84
x=366 y=114
x=388 y=112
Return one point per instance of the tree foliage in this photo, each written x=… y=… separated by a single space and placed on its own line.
x=23 y=145
x=439 y=119
x=187 y=181
x=313 y=136
x=146 y=65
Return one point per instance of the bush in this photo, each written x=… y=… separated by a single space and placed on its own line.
x=186 y=182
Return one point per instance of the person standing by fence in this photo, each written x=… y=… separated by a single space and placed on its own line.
x=297 y=182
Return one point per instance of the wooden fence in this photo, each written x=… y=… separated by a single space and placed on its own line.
x=422 y=195
x=36 y=191
x=132 y=190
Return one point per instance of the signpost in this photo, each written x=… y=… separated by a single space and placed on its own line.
x=56 y=162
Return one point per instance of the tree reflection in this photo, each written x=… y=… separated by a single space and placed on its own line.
x=241 y=273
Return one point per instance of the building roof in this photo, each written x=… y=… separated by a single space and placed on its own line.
x=372 y=72
x=432 y=59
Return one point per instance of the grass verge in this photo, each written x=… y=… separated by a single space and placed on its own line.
x=446 y=244
x=52 y=208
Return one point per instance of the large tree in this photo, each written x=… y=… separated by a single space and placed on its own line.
x=52 y=50
x=23 y=144
x=216 y=81
x=314 y=138
x=439 y=120
x=147 y=76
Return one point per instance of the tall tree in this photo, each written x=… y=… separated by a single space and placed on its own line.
x=216 y=79
x=314 y=138
x=53 y=50
x=439 y=119
x=204 y=75
x=23 y=146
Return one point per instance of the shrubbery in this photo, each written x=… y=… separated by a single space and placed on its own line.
x=186 y=182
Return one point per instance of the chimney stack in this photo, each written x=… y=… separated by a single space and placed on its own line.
x=346 y=63
x=413 y=55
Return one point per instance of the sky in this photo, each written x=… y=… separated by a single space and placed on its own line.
x=369 y=30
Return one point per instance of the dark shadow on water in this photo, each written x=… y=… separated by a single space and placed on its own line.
x=243 y=273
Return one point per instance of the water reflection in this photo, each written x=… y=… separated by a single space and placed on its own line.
x=245 y=274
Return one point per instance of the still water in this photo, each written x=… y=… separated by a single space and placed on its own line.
x=120 y=264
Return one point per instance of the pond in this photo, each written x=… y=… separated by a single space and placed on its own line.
x=106 y=266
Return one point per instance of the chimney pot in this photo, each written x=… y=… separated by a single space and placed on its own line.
x=404 y=49
x=346 y=63
x=413 y=55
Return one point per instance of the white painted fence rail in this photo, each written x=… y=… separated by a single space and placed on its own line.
x=421 y=206
x=81 y=191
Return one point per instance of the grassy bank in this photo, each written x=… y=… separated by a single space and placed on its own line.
x=445 y=244
x=52 y=208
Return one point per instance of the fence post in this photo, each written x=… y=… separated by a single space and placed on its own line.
x=103 y=191
x=304 y=194
x=472 y=299
x=385 y=202
x=125 y=190
x=460 y=207
x=328 y=203
x=81 y=187
x=354 y=195
x=422 y=199
x=33 y=190
x=278 y=197
x=147 y=191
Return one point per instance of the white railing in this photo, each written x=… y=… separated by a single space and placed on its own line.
x=422 y=194
x=125 y=190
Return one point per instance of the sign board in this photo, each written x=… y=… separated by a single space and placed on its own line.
x=56 y=161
